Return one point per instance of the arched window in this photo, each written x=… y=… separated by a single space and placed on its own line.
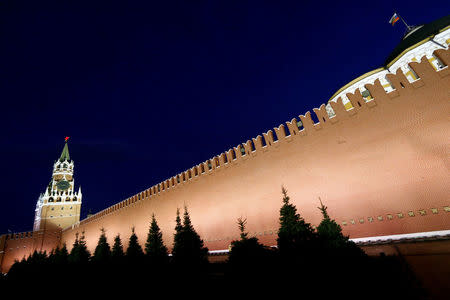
x=50 y=199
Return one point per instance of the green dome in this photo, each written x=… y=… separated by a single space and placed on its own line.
x=417 y=35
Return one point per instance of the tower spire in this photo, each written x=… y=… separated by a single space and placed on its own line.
x=65 y=153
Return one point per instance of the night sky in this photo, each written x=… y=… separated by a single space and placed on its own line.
x=149 y=89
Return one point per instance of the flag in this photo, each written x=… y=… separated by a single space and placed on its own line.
x=66 y=138
x=394 y=19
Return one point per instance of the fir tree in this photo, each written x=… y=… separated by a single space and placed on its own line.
x=295 y=236
x=134 y=250
x=177 y=235
x=188 y=246
x=331 y=238
x=53 y=254
x=246 y=253
x=117 y=250
x=241 y=224
x=155 y=249
x=178 y=230
x=63 y=253
x=102 y=252
x=328 y=229
x=79 y=253
x=59 y=256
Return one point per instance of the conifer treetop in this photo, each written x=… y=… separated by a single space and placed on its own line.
x=154 y=246
x=323 y=209
x=186 y=219
x=242 y=223
x=117 y=250
x=285 y=195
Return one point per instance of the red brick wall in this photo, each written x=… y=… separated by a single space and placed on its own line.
x=381 y=158
x=17 y=246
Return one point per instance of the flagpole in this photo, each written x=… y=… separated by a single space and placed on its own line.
x=407 y=26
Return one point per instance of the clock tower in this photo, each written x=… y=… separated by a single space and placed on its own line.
x=60 y=205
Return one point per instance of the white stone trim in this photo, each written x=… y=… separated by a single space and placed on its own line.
x=394 y=237
x=401 y=236
x=426 y=49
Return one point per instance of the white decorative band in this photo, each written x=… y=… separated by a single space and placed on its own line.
x=378 y=238
x=401 y=236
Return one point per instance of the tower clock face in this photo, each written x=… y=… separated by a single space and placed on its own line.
x=63 y=185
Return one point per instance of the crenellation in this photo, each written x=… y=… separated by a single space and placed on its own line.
x=230 y=155
x=357 y=101
x=322 y=115
x=378 y=96
x=443 y=55
x=425 y=71
x=249 y=147
x=292 y=127
x=268 y=137
x=280 y=133
x=237 y=153
x=399 y=82
x=257 y=142
x=223 y=159
x=307 y=122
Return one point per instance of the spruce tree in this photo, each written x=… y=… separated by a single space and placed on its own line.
x=134 y=250
x=155 y=249
x=177 y=236
x=246 y=253
x=117 y=250
x=102 y=252
x=295 y=236
x=332 y=241
x=53 y=254
x=328 y=230
x=188 y=246
x=63 y=255
x=59 y=256
x=79 y=253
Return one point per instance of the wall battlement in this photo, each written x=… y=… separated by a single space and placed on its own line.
x=297 y=130
x=16 y=246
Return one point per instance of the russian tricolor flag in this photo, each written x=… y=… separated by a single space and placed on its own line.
x=394 y=19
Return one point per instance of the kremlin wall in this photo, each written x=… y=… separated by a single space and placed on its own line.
x=378 y=159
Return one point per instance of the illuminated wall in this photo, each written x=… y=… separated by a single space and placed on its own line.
x=380 y=166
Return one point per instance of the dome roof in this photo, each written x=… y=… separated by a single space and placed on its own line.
x=417 y=35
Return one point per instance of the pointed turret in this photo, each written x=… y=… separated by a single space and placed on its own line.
x=65 y=153
x=59 y=196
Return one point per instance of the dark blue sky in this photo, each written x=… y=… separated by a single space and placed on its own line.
x=147 y=90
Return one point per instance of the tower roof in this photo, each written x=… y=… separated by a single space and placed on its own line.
x=417 y=35
x=65 y=153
